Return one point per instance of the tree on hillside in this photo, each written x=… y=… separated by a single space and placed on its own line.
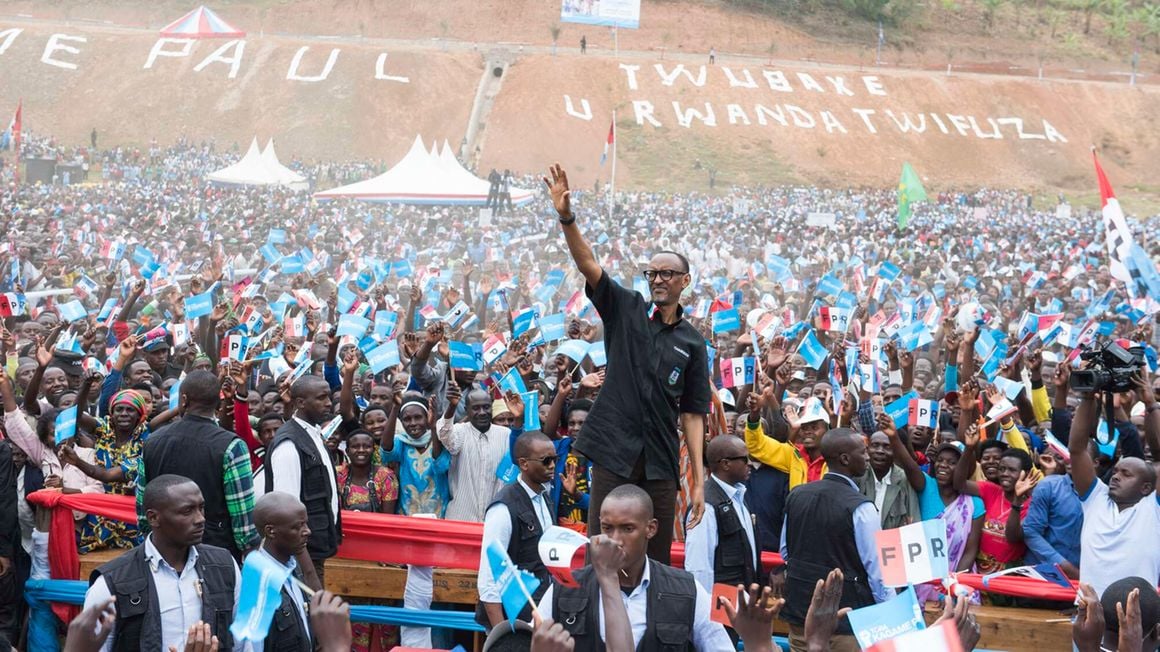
x=1148 y=17
x=1088 y=7
x=555 y=31
x=990 y=7
x=1116 y=28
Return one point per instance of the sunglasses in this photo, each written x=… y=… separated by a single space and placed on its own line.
x=737 y=457
x=550 y=460
x=665 y=275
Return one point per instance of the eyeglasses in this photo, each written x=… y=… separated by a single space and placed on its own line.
x=736 y=457
x=665 y=275
x=546 y=461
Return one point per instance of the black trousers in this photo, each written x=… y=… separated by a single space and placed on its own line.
x=664 y=498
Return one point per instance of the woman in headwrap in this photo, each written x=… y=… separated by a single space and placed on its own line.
x=118 y=442
x=421 y=460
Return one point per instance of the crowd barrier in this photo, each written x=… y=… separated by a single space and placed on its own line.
x=393 y=539
x=42 y=625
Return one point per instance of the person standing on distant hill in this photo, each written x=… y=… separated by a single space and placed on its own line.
x=93 y=138
x=657 y=376
x=712 y=55
x=583 y=44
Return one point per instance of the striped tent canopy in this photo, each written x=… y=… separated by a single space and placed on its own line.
x=201 y=23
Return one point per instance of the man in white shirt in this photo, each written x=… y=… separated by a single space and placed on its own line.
x=185 y=582
x=663 y=603
x=1120 y=519
x=299 y=464
x=476 y=448
x=517 y=519
x=724 y=548
x=281 y=522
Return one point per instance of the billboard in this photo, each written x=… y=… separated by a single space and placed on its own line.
x=613 y=13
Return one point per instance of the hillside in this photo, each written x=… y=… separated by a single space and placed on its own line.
x=761 y=117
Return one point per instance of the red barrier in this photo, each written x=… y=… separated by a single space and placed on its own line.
x=385 y=538
x=1020 y=587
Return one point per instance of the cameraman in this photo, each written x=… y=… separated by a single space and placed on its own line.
x=1122 y=517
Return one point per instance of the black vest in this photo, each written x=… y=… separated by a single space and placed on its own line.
x=197 y=456
x=819 y=537
x=287 y=632
x=325 y=527
x=138 y=624
x=671 y=610
x=733 y=558
x=524 y=546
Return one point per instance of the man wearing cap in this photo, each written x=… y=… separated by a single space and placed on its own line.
x=802 y=459
x=657 y=376
x=158 y=356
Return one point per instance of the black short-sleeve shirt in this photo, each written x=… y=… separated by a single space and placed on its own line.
x=655 y=372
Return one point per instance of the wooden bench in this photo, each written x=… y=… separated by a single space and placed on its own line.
x=358 y=579
x=1003 y=628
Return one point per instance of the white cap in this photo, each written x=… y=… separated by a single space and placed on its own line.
x=813 y=411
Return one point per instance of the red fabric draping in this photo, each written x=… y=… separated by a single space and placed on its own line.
x=63 y=561
x=1020 y=587
x=385 y=538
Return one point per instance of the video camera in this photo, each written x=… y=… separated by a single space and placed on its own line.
x=1110 y=368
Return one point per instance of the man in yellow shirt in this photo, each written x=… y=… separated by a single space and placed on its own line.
x=801 y=459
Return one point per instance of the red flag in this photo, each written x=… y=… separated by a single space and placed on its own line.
x=608 y=143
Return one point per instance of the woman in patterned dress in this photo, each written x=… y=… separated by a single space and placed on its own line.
x=365 y=486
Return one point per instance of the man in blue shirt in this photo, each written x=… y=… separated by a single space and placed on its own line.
x=1053 y=524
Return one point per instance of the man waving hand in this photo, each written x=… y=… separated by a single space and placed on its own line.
x=657 y=375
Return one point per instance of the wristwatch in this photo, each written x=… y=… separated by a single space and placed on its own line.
x=1152 y=408
x=570 y=219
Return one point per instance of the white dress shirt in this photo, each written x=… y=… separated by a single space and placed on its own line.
x=292 y=588
x=880 y=488
x=287 y=467
x=701 y=541
x=708 y=636
x=475 y=456
x=178 y=596
x=867 y=523
x=497 y=526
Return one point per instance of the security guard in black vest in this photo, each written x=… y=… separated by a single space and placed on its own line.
x=171 y=581
x=281 y=521
x=667 y=609
x=517 y=519
x=724 y=549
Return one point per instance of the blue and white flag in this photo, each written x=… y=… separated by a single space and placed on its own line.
x=886 y=620
x=383 y=356
x=812 y=351
x=515 y=586
x=66 y=424
x=258 y=598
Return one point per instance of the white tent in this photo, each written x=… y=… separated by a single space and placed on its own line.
x=259 y=168
x=285 y=175
x=423 y=177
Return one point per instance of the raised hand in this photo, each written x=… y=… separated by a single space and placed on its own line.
x=1131 y=629
x=593 y=380
x=557 y=183
x=753 y=617
x=1087 y=630
x=824 y=614
x=969 y=395
x=515 y=403
x=1025 y=484
x=435 y=333
x=971 y=435
x=886 y=425
x=776 y=353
